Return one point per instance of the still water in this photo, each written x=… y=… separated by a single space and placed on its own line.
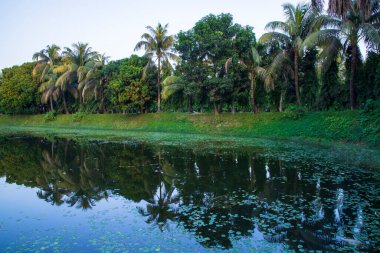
x=65 y=196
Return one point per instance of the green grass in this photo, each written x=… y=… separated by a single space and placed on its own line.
x=317 y=127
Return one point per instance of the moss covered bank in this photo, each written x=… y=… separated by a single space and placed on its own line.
x=317 y=127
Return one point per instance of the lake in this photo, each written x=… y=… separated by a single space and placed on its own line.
x=60 y=195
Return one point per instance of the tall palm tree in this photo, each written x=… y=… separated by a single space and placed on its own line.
x=88 y=82
x=66 y=82
x=252 y=62
x=46 y=60
x=300 y=22
x=347 y=33
x=157 y=45
x=80 y=54
x=91 y=80
x=162 y=208
x=75 y=63
x=340 y=8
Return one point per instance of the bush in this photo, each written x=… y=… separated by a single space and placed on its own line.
x=50 y=116
x=369 y=105
x=78 y=116
x=294 y=112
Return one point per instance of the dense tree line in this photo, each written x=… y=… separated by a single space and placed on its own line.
x=312 y=60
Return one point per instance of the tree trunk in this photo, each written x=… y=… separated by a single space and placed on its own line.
x=101 y=106
x=281 y=100
x=159 y=86
x=296 y=75
x=64 y=103
x=81 y=100
x=216 y=112
x=253 y=91
x=352 y=74
x=190 y=106
x=51 y=104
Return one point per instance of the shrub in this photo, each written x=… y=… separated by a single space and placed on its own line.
x=294 y=112
x=78 y=116
x=369 y=105
x=50 y=116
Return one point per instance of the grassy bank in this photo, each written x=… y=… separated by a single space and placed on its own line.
x=321 y=127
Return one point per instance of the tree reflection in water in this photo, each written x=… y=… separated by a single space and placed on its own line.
x=218 y=196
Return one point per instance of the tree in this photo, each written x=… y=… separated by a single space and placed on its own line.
x=91 y=79
x=347 y=33
x=18 y=90
x=309 y=78
x=300 y=22
x=370 y=79
x=46 y=60
x=157 y=45
x=126 y=88
x=66 y=82
x=175 y=84
x=340 y=8
x=252 y=61
x=75 y=64
x=204 y=50
x=330 y=90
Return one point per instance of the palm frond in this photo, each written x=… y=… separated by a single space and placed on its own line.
x=370 y=34
x=278 y=25
x=255 y=56
x=274 y=37
x=289 y=11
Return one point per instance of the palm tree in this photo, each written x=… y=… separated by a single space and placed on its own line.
x=340 y=8
x=300 y=22
x=88 y=82
x=163 y=207
x=157 y=45
x=252 y=62
x=76 y=63
x=46 y=60
x=78 y=59
x=347 y=33
x=175 y=84
x=66 y=82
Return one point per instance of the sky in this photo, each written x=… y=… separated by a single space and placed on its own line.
x=112 y=26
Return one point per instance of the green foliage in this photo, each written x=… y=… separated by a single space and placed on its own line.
x=127 y=89
x=18 y=90
x=308 y=78
x=219 y=64
x=342 y=126
x=294 y=112
x=78 y=116
x=50 y=116
x=369 y=105
x=369 y=79
x=331 y=93
x=205 y=50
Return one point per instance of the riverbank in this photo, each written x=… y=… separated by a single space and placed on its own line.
x=316 y=127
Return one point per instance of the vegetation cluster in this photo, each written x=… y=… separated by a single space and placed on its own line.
x=311 y=61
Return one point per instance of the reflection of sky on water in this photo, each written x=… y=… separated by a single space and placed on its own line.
x=112 y=197
x=29 y=224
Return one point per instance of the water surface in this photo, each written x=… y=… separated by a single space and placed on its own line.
x=65 y=196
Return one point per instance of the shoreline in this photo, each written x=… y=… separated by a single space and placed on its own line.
x=319 y=128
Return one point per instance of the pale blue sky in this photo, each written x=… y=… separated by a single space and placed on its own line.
x=111 y=26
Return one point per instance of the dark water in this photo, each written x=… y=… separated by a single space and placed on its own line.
x=62 y=196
